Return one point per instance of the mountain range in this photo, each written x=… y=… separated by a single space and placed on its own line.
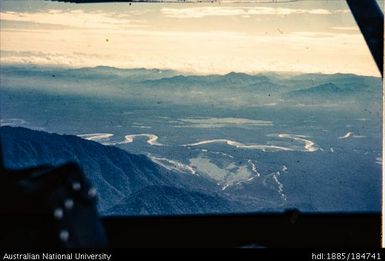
x=127 y=184
x=167 y=86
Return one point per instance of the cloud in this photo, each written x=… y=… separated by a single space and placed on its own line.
x=342 y=11
x=89 y=38
x=73 y=59
x=345 y=28
x=199 y=12
x=74 y=18
x=195 y=52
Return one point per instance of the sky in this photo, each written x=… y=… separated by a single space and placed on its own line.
x=305 y=36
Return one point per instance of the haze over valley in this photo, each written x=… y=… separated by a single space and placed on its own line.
x=253 y=142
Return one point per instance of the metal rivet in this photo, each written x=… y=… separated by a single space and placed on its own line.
x=92 y=192
x=64 y=235
x=69 y=203
x=58 y=213
x=76 y=186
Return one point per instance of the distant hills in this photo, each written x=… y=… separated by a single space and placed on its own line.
x=236 y=79
x=167 y=86
x=127 y=184
x=326 y=90
x=330 y=92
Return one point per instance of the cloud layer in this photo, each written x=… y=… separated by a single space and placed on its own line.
x=199 y=12
x=159 y=38
x=74 y=18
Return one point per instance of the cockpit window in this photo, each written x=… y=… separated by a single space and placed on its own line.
x=196 y=108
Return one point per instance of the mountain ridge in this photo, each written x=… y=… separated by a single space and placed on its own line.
x=115 y=173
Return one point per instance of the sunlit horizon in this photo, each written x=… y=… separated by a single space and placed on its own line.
x=303 y=37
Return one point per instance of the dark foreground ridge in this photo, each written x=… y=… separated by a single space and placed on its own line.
x=127 y=184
